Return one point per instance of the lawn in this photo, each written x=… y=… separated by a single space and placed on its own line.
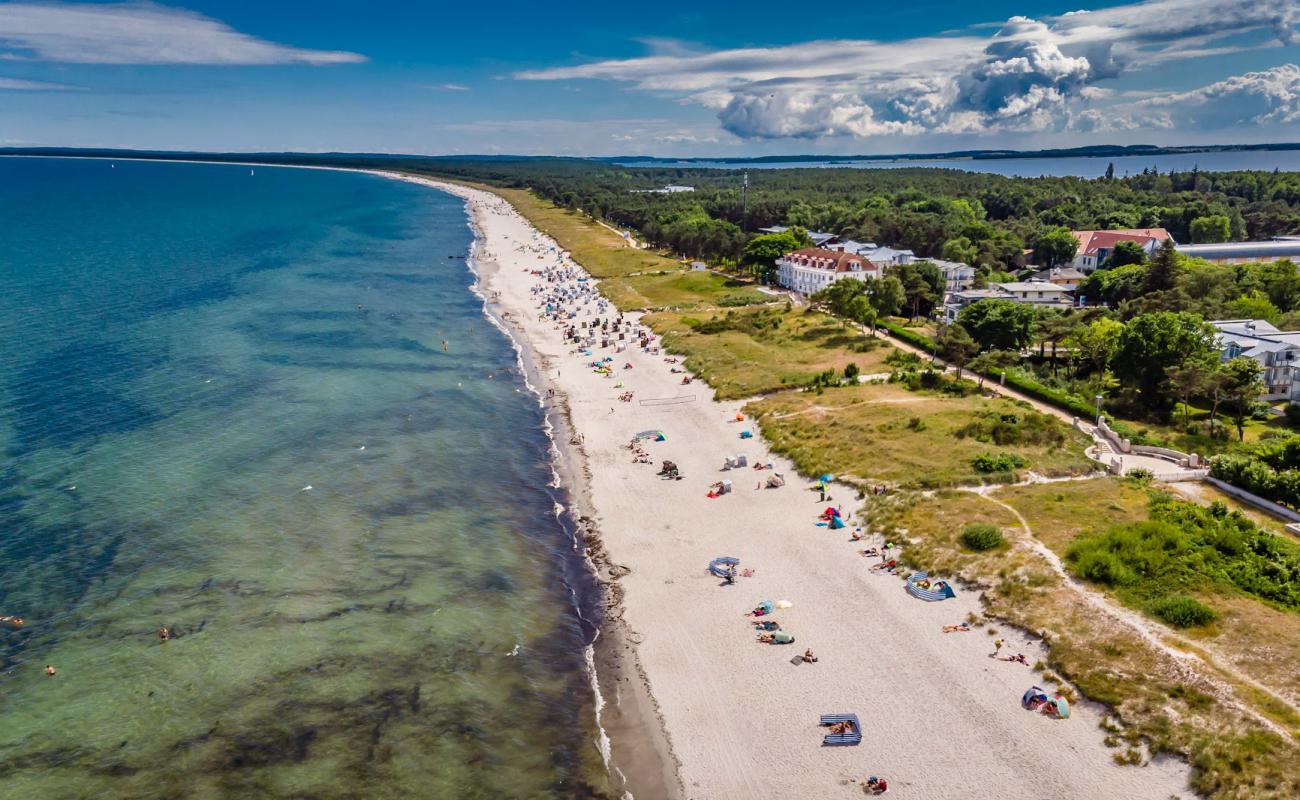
x=887 y=433
x=747 y=352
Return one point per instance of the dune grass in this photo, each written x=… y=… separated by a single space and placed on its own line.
x=910 y=438
x=1159 y=706
x=632 y=278
x=746 y=352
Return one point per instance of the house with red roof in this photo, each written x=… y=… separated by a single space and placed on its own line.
x=1096 y=246
x=812 y=269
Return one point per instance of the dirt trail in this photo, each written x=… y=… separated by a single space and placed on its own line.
x=1188 y=652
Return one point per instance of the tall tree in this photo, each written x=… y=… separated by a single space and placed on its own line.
x=956 y=346
x=999 y=324
x=1094 y=344
x=1152 y=344
x=1162 y=273
x=761 y=252
x=887 y=295
x=1243 y=384
x=1211 y=229
x=1125 y=253
x=1189 y=380
x=1055 y=247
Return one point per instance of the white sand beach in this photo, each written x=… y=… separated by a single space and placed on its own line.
x=941 y=717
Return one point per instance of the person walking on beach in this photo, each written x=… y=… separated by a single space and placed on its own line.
x=997 y=647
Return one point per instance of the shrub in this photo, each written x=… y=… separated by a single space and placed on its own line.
x=981 y=537
x=1293 y=414
x=1183 y=612
x=1002 y=462
x=916 y=424
x=851 y=373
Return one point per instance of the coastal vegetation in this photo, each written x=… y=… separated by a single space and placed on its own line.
x=887 y=432
x=747 y=352
x=1235 y=719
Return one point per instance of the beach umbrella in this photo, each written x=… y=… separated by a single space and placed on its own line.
x=1062 y=707
x=766 y=605
x=826 y=478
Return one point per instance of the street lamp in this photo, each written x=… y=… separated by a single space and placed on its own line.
x=1098 y=401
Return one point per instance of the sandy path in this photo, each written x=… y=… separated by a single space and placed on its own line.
x=942 y=719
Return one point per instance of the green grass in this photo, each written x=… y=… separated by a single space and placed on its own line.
x=631 y=278
x=743 y=353
x=887 y=433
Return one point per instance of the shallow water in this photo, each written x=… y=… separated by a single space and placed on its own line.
x=183 y=349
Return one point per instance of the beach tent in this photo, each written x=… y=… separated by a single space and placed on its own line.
x=766 y=606
x=1062 y=706
x=659 y=437
x=836 y=523
x=1033 y=696
x=747 y=434
x=854 y=735
x=720 y=565
x=937 y=591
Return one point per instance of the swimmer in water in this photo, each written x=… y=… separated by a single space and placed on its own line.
x=49 y=670
x=17 y=622
x=164 y=634
x=444 y=345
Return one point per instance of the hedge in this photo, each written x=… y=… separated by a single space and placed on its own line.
x=911 y=337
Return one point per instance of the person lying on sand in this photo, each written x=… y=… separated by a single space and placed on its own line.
x=747 y=573
x=808 y=657
x=768 y=625
x=870 y=551
x=887 y=565
x=960 y=628
x=777 y=637
x=1018 y=658
x=842 y=727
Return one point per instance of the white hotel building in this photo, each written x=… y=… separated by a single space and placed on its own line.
x=814 y=268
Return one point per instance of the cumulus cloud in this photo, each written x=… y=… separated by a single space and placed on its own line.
x=139 y=33
x=1030 y=75
x=1270 y=97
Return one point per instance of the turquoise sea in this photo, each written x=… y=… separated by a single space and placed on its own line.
x=225 y=408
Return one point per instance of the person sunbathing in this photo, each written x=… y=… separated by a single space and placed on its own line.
x=961 y=628
x=842 y=727
x=871 y=551
x=886 y=565
x=768 y=625
x=760 y=611
x=808 y=657
x=747 y=573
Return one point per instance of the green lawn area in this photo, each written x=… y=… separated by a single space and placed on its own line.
x=631 y=278
x=757 y=351
x=887 y=433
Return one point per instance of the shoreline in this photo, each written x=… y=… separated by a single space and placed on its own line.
x=630 y=717
x=741 y=719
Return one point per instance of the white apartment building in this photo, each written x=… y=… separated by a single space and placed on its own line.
x=1276 y=351
x=812 y=269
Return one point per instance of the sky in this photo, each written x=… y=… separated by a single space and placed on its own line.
x=670 y=78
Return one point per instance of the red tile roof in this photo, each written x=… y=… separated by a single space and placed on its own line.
x=831 y=260
x=1092 y=241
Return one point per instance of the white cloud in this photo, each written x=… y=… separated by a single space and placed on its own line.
x=140 y=33
x=1031 y=75
x=1270 y=97
x=446 y=87
x=17 y=84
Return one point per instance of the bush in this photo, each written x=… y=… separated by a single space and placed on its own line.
x=1183 y=612
x=911 y=337
x=851 y=373
x=1293 y=414
x=981 y=537
x=1002 y=462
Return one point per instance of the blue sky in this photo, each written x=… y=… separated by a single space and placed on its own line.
x=672 y=78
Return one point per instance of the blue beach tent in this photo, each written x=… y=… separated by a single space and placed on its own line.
x=853 y=737
x=939 y=590
x=719 y=566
